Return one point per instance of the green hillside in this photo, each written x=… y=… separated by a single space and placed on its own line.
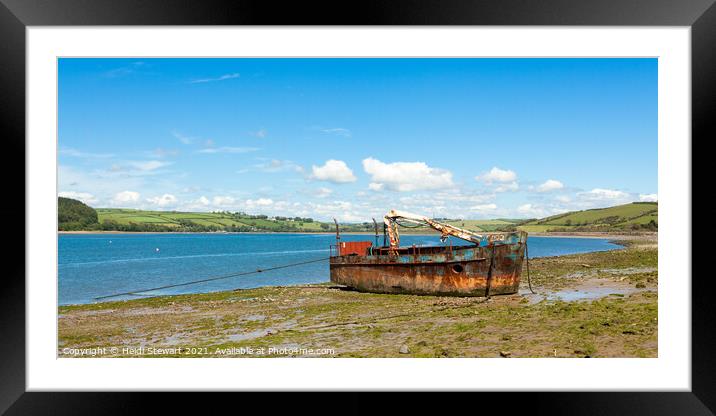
x=74 y=215
x=634 y=216
x=141 y=220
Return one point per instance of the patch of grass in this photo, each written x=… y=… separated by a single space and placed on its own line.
x=533 y=228
x=637 y=213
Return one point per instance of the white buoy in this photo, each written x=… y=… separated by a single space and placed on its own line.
x=157 y=249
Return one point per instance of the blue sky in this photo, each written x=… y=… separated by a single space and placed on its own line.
x=353 y=138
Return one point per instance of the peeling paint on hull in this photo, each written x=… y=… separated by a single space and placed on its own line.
x=438 y=270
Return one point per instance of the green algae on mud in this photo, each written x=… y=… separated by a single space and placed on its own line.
x=326 y=321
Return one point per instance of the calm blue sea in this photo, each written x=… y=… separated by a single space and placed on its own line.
x=93 y=265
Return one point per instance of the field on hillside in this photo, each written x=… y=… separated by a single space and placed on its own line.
x=481 y=225
x=216 y=219
x=634 y=215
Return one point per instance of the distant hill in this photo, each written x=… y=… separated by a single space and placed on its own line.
x=142 y=220
x=634 y=216
x=75 y=215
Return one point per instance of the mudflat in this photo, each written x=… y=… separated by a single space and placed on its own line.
x=600 y=304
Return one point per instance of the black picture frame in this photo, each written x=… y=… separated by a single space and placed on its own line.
x=16 y=15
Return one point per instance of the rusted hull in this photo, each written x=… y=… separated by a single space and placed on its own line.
x=446 y=271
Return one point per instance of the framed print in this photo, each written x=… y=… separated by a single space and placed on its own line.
x=416 y=197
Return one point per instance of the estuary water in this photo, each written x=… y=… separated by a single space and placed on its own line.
x=92 y=265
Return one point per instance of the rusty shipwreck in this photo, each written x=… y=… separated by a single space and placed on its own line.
x=490 y=264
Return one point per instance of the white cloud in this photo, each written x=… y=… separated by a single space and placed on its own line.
x=131 y=168
x=323 y=192
x=497 y=175
x=220 y=78
x=338 y=131
x=484 y=207
x=68 y=151
x=148 y=165
x=376 y=186
x=599 y=194
x=223 y=201
x=102 y=184
x=335 y=171
x=129 y=69
x=648 y=197
x=161 y=152
x=461 y=196
x=406 y=176
x=563 y=198
x=261 y=133
x=505 y=179
x=261 y=202
x=507 y=187
x=341 y=210
x=201 y=204
x=228 y=149
x=275 y=165
x=125 y=198
x=532 y=211
x=85 y=197
x=163 y=201
x=450 y=203
x=550 y=185
x=182 y=138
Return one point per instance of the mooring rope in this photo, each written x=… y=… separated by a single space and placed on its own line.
x=210 y=279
